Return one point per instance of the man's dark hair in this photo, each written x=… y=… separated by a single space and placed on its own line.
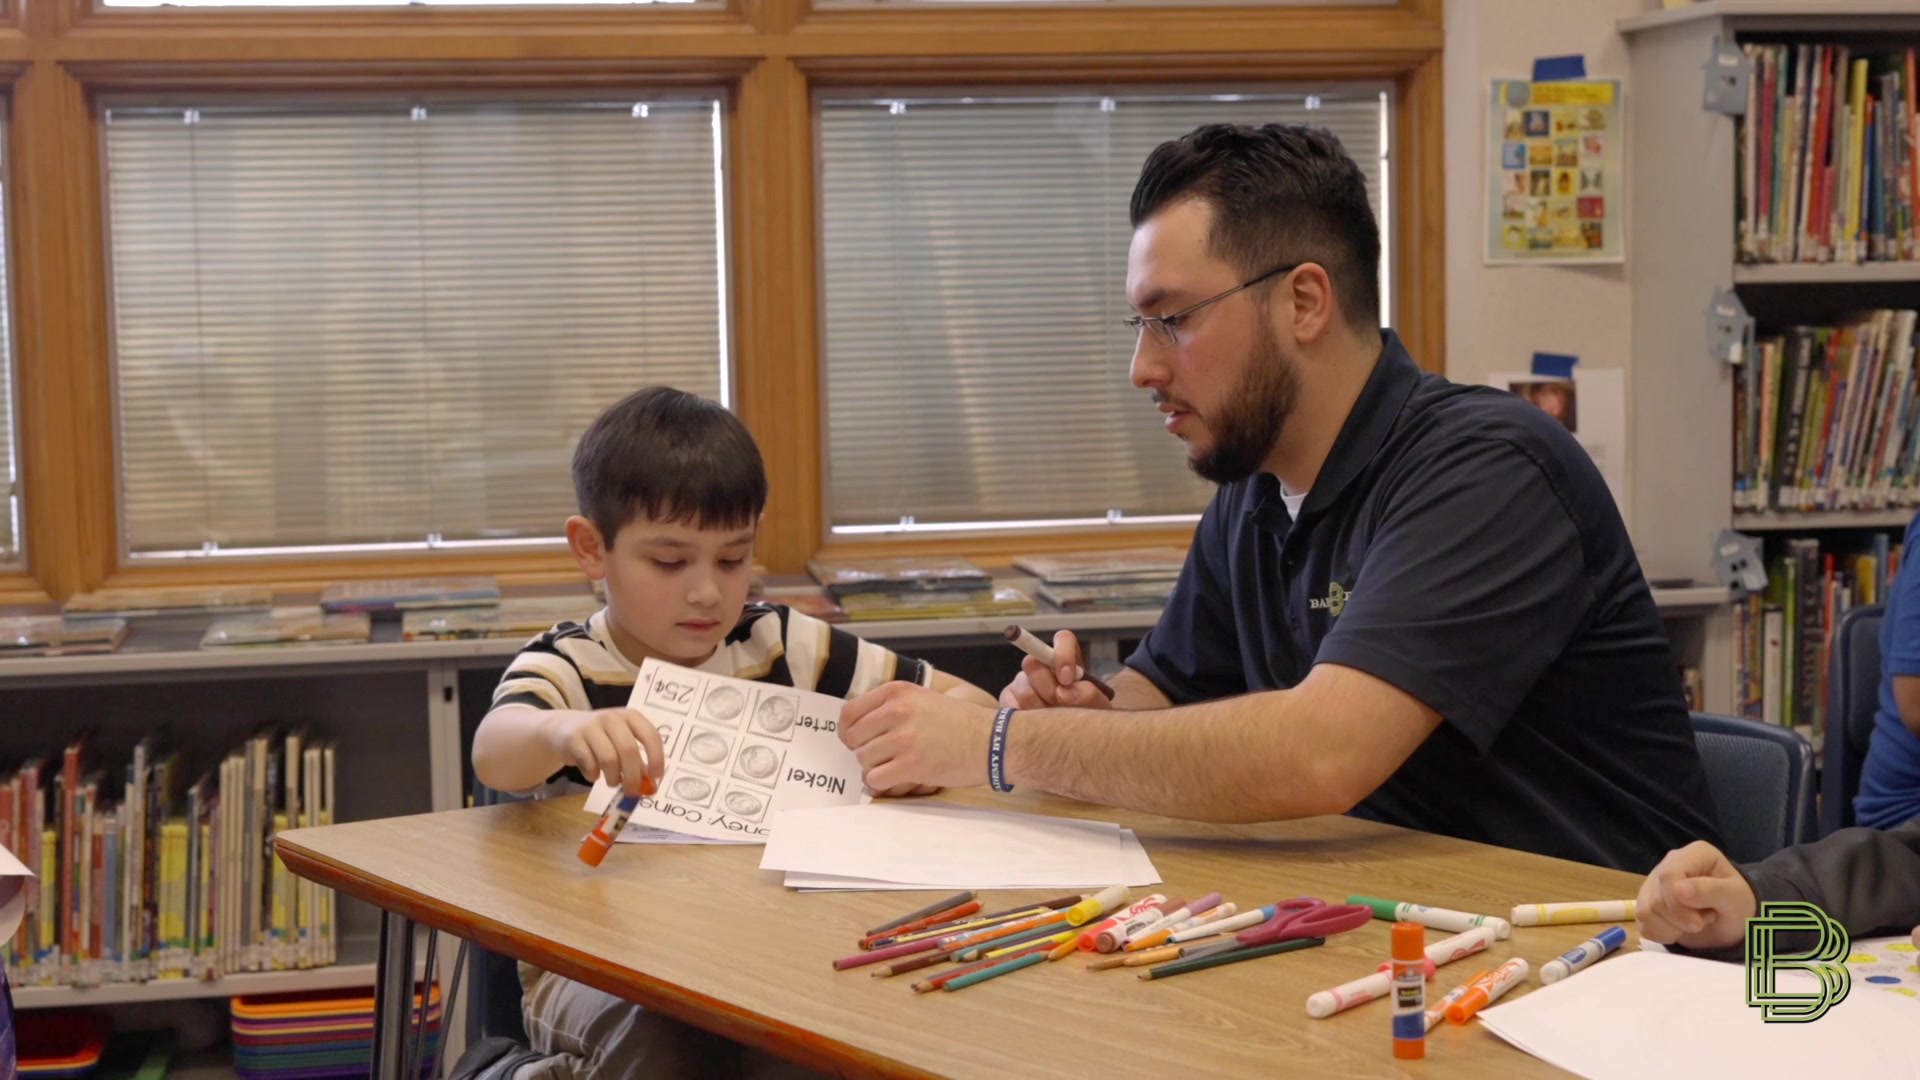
x=1281 y=193
x=672 y=456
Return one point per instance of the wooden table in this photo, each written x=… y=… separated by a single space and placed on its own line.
x=701 y=933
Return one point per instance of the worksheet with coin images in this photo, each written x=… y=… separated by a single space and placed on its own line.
x=738 y=752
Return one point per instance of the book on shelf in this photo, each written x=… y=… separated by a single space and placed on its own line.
x=1828 y=417
x=959 y=604
x=57 y=635
x=1115 y=596
x=937 y=573
x=180 y=601
x=1105 y=567
x=410 y=593
x=143 y=875
x=515 y=617
x=1828 y=168
x=1783 y=637
x=288 y=628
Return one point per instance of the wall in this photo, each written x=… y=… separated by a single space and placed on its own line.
x=1498 y=317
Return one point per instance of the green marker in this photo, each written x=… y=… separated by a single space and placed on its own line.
x=1454 y=922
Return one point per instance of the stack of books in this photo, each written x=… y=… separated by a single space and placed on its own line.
x=57 y=635
x=287 y=628
x=523 y=617
x=1828 y=418
x=1106 y=580
x=141 y=875
x=936 y=587
x=410 y=594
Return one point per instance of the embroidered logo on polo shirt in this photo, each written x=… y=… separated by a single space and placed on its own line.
x=1335 y=601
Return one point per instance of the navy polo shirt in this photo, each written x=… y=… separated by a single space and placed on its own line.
x=1459 y=544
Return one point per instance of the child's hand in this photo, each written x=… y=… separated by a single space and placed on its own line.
x=1697 y=898
x=609 y=743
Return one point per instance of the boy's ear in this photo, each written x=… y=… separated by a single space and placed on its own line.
x=583 y=539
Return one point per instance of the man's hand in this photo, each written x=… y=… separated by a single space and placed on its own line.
x=1038 y=687
x=609 y=743
x=1695 y=898
x=907 y=736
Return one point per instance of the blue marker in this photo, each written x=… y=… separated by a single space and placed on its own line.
x=1584 y=955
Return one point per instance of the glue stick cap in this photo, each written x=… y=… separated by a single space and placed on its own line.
x=1409 y=941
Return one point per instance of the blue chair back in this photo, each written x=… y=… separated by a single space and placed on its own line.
x=1853 y=693
x=1761 y=777
x=493 y=981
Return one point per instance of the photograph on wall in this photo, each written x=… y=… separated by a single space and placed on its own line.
x=1559 y=144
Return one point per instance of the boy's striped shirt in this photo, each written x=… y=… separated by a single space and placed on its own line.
x=578 y=667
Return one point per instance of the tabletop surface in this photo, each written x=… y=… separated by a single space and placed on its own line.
x=702 y=933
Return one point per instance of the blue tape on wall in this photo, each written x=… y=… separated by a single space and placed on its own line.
x=1559 y=68
x=1554 y=365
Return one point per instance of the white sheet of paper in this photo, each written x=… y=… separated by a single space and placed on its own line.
x=948 y=846
x=1645 y=1013
x=13 y=892
x=1139 y=872
x=647 y=834
x=738 y=752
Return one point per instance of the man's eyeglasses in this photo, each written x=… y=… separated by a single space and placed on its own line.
x=1164 y=326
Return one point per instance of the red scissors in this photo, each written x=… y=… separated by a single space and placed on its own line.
x=1305 y=917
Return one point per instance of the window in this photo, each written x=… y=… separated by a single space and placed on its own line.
x=975 y=275
x=356 y=327
x=11 y=536
x=395 y=3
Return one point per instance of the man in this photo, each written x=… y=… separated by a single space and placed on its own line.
x=1408 y=600
x=1890 y=776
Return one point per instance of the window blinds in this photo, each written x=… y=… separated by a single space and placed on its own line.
x=975 y=276
x=338 y=327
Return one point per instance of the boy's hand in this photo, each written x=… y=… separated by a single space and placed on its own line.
x=1039 y=687
x=909 y=736
x=609 y=743
x=1697 y=898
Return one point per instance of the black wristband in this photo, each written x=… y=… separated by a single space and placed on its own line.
x=997 y=751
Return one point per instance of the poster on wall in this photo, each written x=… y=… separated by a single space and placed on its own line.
x=1557 y=186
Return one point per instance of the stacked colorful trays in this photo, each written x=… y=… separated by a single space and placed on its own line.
x=319 y=1033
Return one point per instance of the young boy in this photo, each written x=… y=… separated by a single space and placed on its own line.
x=670 y=488
x=1866 y=879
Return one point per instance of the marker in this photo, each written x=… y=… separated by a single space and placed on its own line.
x=1439 y=1011
x=1409 y=991
x=1186 y=911
x=593 y=850
x=1004 y=967
x=1447 y=950
x=1232 y=955
x=937 y=906
x=1200 y=926
x=1043 y=652
x=1485 y=992
x=1113 y=937
x=1242 y=921
x=1091 y=933
x=1432 y=917
x=1096 y=905
x=1583 y=955
x=1348 y=994
x=1578 y=912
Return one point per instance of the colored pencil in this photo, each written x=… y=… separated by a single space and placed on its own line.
x=1004 y=967
x=966 y=925
x=950 y=902
x=1232 y=956
x=913 y=963
x=975 y=952
x=952 y=914
x=942 y=979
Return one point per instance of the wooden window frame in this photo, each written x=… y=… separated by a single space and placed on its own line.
x=770 y=54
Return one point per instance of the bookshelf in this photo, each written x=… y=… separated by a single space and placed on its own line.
x=356 y=968
x=1684 y=168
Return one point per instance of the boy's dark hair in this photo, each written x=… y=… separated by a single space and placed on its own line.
x=1281 y=193
x=672 y=456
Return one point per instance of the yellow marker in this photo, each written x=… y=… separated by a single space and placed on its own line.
x=1586 y=911
x=1096 y=905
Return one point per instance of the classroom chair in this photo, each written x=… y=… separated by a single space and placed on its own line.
x=1853 y=693
x=493 y=981
x=1761 y=777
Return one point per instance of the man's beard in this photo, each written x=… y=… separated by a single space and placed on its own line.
x=1249 y=423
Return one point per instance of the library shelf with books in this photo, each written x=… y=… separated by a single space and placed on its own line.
x=1808 y=208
